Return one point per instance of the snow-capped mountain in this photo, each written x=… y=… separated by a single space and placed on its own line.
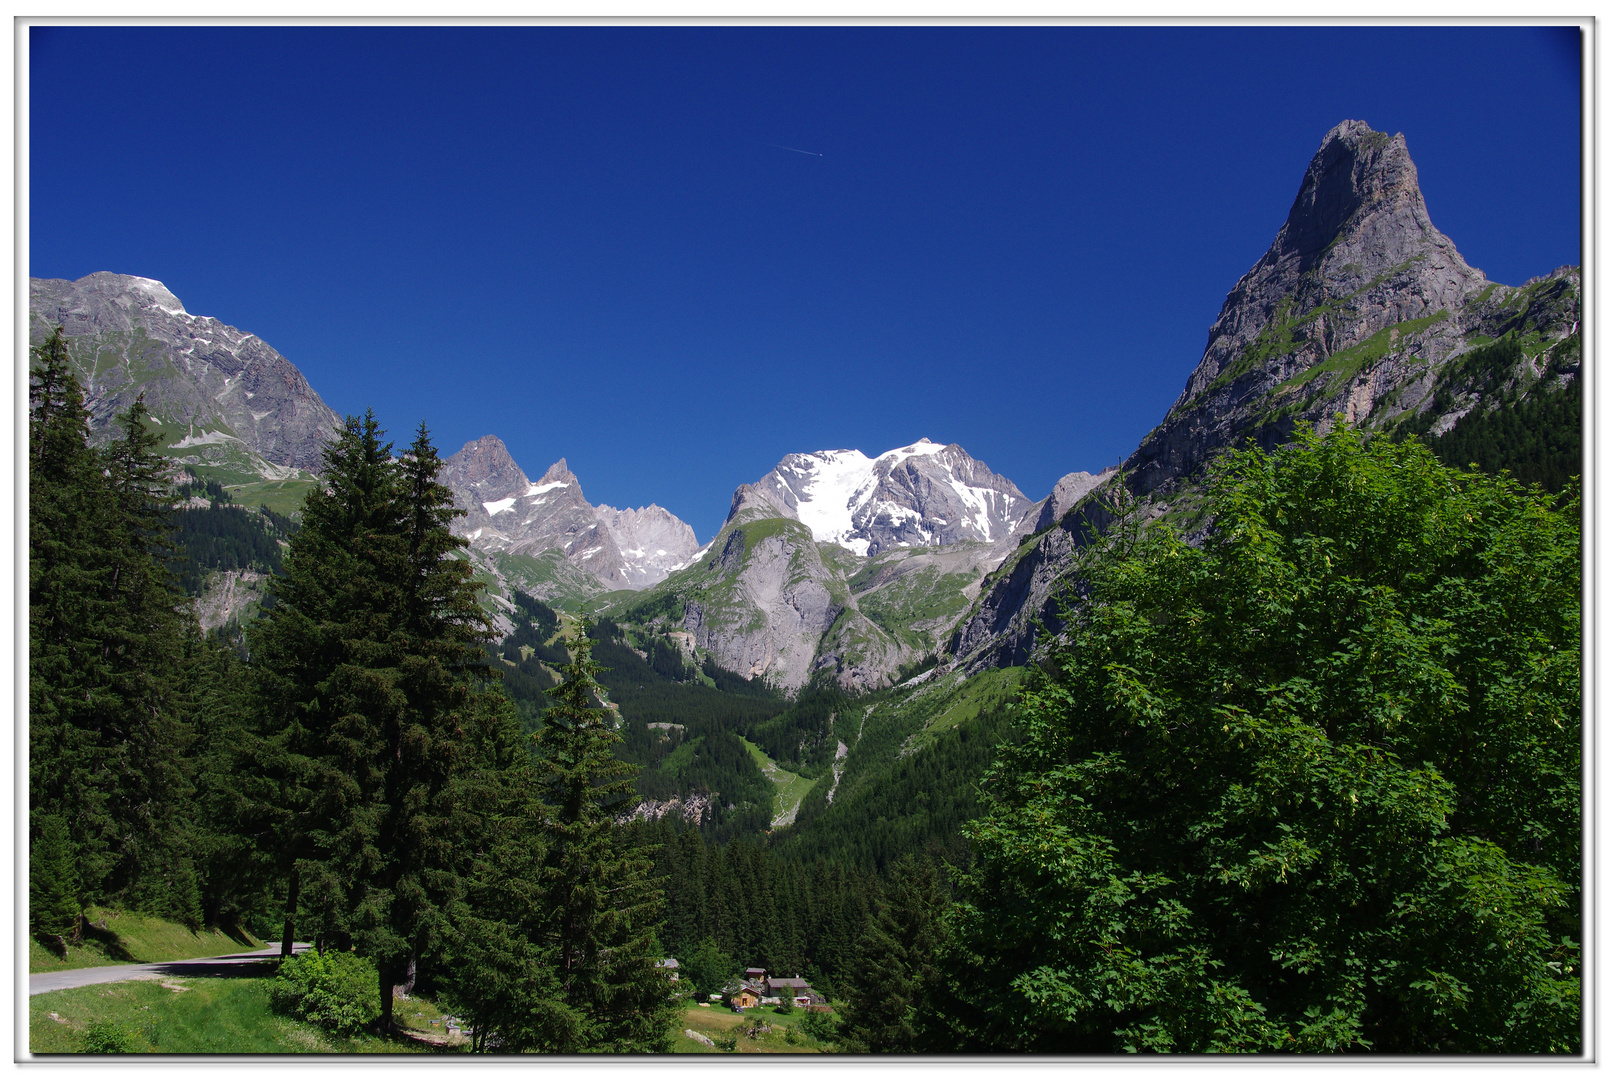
x=505 y=511
x=922 y=495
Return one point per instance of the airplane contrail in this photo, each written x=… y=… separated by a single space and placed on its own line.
x=793 y=149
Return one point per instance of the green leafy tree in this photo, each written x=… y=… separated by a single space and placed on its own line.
x=1311 y=787
x=603 y=905
x=708 y=969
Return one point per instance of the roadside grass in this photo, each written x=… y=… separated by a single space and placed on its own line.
x=185 y=1016
x=122 y=937
x=785 y=1034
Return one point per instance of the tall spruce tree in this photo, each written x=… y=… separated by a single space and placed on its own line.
x=372 y=659
x=898 y=984
x=603 y=906
x=106 y=697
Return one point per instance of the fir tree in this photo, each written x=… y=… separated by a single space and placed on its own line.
x=54 y=908
x=372 y=654
x=898 y=985
x=603 y=905
x=106 y=626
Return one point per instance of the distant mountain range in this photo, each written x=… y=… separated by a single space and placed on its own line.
x=840 y=566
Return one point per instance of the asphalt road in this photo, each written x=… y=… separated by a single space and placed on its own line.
x=231 y=965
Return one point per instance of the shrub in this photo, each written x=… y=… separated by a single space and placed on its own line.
x=819 y=1026
x=337 y=990
x=106 y=1037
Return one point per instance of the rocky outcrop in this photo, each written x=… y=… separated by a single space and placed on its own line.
x=769 y=601
x=1065 y=495
x=230 y=395
x=650 y=540
x=1358 y=265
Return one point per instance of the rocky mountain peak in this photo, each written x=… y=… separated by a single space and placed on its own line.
x=1358 y=254
x=559 y=473
x=483 y=467
x=925 y=494
x=506 y=512
x=1355 y=174
x=241 y=405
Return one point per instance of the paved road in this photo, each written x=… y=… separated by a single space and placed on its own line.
x=216 y=966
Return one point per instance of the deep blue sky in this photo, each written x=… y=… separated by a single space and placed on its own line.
x=583 y=241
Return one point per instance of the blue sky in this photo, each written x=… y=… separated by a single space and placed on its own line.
x=609 y=244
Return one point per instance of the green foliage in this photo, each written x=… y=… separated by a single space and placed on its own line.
x=109 y=702
x=54 y=907
x=898 y=983
x=818 y=1026
x=335 y=990
x=603 y=905
x=379 y=726
x=110 y=1037
x=707 y=968
x=1538 y=437
x=222 y=537
x=1312 y=787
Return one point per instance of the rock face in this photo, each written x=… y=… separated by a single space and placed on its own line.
x=1357 y=257
x=1068 y=490
x=842 y=566
x=651 y=540
x=505 y=512
x=1359 y=309
x=233 y=399
x=921 y=495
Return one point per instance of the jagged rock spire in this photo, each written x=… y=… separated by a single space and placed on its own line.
x=1357 y=254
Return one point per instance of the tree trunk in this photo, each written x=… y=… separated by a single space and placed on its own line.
x=384 y=986
x=291 y=910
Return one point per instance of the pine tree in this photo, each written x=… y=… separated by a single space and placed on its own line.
x=898 y=983
x=372 y=658
x=106 y=625
x=54 y=907
x=604 y=907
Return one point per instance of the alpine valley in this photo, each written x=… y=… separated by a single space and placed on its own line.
x=855 y=630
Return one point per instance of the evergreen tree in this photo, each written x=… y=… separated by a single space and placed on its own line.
x=107 y=698
x=898 y=985
x=602 y=903
x=373 y=655
x=54 y=908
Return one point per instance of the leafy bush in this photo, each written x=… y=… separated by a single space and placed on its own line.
x=337 y=990
x=1314 y=785
x=819 y=1026
x=106 y=1037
